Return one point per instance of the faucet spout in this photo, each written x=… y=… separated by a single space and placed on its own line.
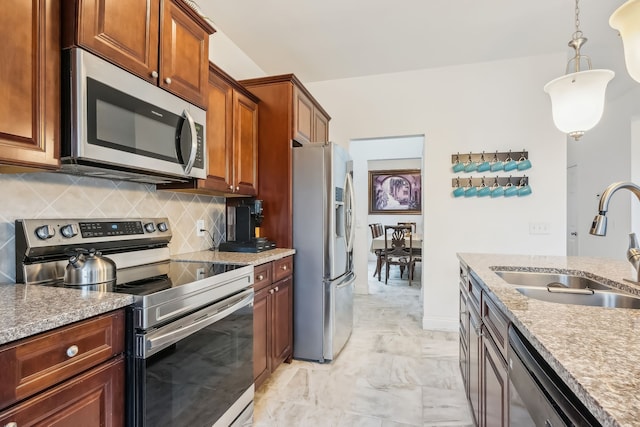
x=599 y=225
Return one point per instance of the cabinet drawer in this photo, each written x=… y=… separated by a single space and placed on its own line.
x=475 y=292
x=496 y=324
x=36 y=363
x=282 y=268
x=262 y=276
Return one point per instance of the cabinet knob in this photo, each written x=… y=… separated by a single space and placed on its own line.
x=277 y=289
x=11 y=424
x=231 y=187
x=260 y=277
x=72 y=351
x=284 y=267
x=154 y=74
x=167 y=80
x=271 y=291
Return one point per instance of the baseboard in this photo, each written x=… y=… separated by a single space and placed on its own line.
x=440 y=324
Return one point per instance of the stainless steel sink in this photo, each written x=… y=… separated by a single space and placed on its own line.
x=529 y=278
x=568 y=289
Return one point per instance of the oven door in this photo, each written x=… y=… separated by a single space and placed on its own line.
x=197 y=370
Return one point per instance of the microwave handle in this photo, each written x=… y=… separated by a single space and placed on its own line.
x=194 y=143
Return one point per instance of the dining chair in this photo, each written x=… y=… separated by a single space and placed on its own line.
x=417 y=252
x=396 y=250
x=413 y=225
x=377 y=231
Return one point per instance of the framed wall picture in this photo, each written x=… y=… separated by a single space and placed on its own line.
x=395 y=191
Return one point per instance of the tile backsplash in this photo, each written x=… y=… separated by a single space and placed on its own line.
x=57 y=195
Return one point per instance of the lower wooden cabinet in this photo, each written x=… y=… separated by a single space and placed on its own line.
x=69 y=376
x=94 y=398
x=272 y=317
x=483 y=331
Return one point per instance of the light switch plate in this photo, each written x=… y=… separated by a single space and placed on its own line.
x=539 y=228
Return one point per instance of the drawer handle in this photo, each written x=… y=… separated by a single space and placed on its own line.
x=260 y=277
x=72 y=351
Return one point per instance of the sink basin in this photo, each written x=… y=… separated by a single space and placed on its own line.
x=568 y=289
x=529 y=278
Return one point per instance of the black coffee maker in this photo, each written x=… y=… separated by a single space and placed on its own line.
x=242 y=221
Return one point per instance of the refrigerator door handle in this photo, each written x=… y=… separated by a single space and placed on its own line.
x=349 y=211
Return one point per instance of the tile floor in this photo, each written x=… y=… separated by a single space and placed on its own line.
x=391 y=373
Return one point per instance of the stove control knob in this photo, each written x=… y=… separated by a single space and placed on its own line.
x=149 y=227
x=69 y=230
x=45 y=232
x=162 y=226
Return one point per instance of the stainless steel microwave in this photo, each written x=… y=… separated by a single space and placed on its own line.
x=119 y=126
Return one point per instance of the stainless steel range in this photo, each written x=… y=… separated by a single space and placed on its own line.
x=189 y=331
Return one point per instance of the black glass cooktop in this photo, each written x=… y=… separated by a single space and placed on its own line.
x=152 y=278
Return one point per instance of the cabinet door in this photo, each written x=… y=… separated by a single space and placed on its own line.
x=474 y=363
x=30 y=87
x=245 y=145
x=95 y=398
x=282 y=333
x=302 y=117
x=125 y=33
x=184 y=54
x=261 y=335
x=320 y=127
x=495 y=402
x=219 y=135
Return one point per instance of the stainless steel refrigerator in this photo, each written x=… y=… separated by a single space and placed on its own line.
x=323 y=232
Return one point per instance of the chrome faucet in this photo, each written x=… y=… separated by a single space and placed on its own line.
x=599 y=225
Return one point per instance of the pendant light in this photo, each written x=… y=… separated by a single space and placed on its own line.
x=577 y=98
x=626 y=19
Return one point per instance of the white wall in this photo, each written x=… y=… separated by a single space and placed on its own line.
x=605 y=155
x=488 y=106
x=227 y=55
x=400 y=152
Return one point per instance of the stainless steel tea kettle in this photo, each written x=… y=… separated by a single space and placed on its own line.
x=89 y=267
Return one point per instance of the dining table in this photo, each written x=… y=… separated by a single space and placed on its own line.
x=378 y=244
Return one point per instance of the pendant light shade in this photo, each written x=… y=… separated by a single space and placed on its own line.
x=577 y=100
x=626 y=19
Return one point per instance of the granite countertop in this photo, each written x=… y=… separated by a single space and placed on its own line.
x=595 y=350
x=235 y=257
x=27 y=310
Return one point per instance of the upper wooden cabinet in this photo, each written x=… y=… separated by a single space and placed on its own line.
x=30 y=86
x=310 y=121
x=288 y=115
x=162 y=41
x=232 y=140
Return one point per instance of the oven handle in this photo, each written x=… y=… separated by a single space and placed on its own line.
x=198 y=320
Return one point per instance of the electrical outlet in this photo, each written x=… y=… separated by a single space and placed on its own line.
x=200 y=228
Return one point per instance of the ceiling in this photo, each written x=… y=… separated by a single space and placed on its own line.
x=333 y=39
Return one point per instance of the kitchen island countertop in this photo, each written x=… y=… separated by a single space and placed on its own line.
x=596 y=351
x=27 y=310
x=235 y=257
